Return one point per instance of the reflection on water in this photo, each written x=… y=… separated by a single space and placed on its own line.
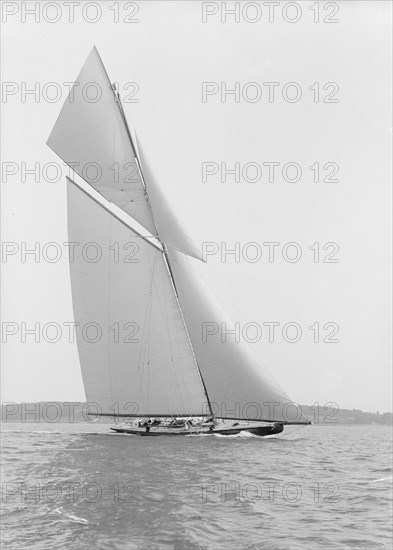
x=78 y=486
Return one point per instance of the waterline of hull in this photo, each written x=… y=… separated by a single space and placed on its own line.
x=260 y=430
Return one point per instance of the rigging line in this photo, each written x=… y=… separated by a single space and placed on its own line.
x=118 y=101
x=122 y=112
x=114 y=137
x=147 y=323
x=176 y=374
x=145 y=337
x=120 y=105
x=185 y=326
x=140 y=360
x=165 y=318
x=109 y=310
x=284 y=436
x=109 y=269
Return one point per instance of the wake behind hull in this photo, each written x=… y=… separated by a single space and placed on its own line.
x=255 y=430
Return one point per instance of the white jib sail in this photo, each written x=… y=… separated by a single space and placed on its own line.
x=237 y=383
x=134 y=350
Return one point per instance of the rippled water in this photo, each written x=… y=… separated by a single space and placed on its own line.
x=75 y=486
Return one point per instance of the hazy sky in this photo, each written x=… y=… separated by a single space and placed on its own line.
x=169 y=53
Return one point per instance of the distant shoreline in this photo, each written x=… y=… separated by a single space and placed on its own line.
x=53 y=412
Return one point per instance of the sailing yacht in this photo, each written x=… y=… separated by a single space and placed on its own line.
x=139 y=300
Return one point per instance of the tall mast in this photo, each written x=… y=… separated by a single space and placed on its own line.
x=164 y=250
x=119 y=103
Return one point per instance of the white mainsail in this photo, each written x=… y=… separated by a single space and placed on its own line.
x=142 y=362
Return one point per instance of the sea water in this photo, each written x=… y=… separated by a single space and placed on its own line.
x=78 y=486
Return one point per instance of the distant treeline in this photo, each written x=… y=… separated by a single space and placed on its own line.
x=332 y=414
x=57 y=411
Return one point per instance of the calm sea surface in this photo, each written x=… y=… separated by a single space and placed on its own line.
x=76 y=486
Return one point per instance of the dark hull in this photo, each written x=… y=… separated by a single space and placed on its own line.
x=257 y=430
